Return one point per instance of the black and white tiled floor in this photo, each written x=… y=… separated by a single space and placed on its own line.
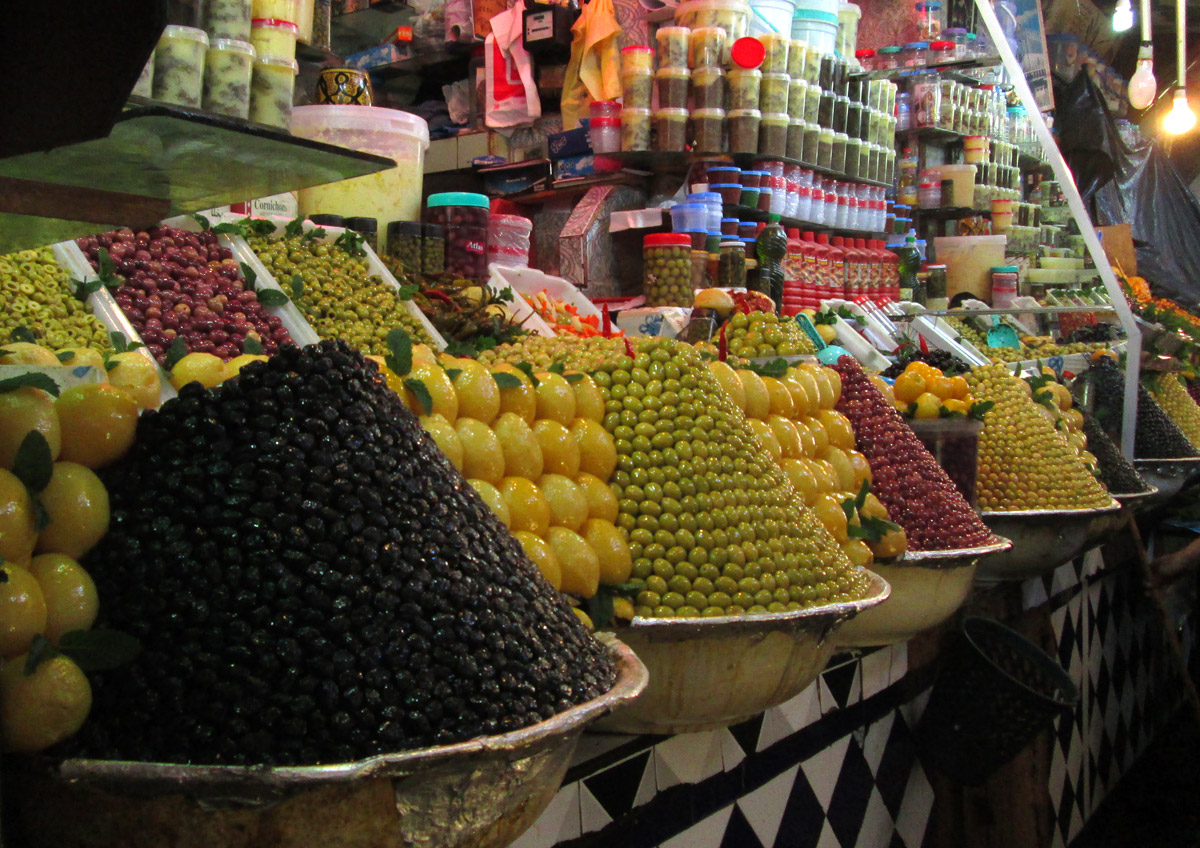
x=837 y=766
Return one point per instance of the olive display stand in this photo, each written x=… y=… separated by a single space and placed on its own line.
x=1043 y=539
x=159 y=161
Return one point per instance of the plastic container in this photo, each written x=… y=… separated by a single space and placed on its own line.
x=604 y=109
x=914 y=54
x=635 y=128
x=637 y=87
x=670 y=130
x=797 y=97
x=1002 y=215
x=228 y=66
x=144 y=87
x=744 y=86
x=818 y=28
x=605 y=135
x=1004 y=285
x=837 y=153
x=962 y=180
x=954 y=443
x=689 y=218
x=404 y=245
x=975 y=149
x=228 y=19
x=847 y=37
x=969 y=261
x=673 y=46
x=672 y=84
x=708 y=88
x=394 y=194
x=795 y=139
x=958 y=36
x=733 y=16
x=730 y=192
x=667 y=269
x=707 y=47
x=777 y=42
x=773 y=133
x=466 y=219
x=743 y=130
x=708 y=129
x=773 y=93
x=281 y=10
x=508 y=240
x=179 y=66
x=273 y=39
x=637 y=59
x=272 y=85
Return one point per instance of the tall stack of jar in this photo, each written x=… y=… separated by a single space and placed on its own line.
x=273 y=32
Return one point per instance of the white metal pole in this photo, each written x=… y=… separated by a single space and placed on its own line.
x=1075 y=202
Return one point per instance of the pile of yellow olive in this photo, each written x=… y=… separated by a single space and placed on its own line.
x=35 y=293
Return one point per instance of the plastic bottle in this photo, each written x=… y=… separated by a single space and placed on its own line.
x=908 y=263
x=808 y=249
x=772 y=250
x=862 y=267
x=821 y=285
x=793 y=274
x=906 y=190
x=836 y=287
x=880 y=269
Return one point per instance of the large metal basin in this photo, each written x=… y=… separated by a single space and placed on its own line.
x=482 y=793
x=1043 y=539
x=707 y=673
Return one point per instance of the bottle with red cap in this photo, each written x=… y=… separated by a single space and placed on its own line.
x=892 y=274
x=849 y=267
x=808 y=251
x=793 y=274
x=835 y=285
x=862 y=270
x=821 y=268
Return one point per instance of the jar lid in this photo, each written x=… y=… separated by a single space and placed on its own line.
x=402 y=228
x=322 y=220
x=953 y=31
x=275 y=23
x=930 y=185
x=718 y=114
x=748 y=52
x=705 y=197
x=917 y=45
x=890 y=49
x=972 y=36
x=185 y=32
x=637 y=48
x=518 y=222
x=287 y=63
x=434 y=231
x=941 y=45
x=669 y=113
x=458 y=198
x=676 y=73
x=732 y=243
x=233 y=46
x=742 y=113
x=667 y=240
x=363 y=224
x=601 y=105
x=1004 y=269
x=865 y=53
x=604 y=121
x=935 y=267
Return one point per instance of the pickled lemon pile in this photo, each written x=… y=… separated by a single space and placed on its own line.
x=1171 y=395
x=1024 y=461
x=924 y=392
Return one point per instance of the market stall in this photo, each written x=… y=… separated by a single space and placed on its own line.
x=759 y=462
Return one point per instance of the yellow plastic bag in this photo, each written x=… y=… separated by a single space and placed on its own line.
x=594 y=72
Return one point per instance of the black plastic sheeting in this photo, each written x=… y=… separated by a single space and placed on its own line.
x=1138 y=186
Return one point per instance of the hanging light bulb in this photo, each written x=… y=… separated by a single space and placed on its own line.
x=1142 y=85
x=1181 y=118
x=1122 y=18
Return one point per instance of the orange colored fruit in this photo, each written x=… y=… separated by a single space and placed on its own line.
x=22 y=610
x=17 y=533
x=909 y=386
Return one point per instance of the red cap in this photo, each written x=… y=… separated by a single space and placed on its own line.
x=865 y=53
x=748 y=52
x=667 y=240
x=941 y=45
x=637 y=48
x=600 y=105
x=793 y=232
x=822 y=238
x=809 y=235
x=760 y=227
x=860 y=242
x=274 y=22
x=838 y=241
x=604 y=121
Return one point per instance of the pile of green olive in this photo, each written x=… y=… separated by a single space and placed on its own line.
x=35 y=293
x=341 y=298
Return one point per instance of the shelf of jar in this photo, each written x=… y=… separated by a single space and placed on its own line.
x=307 y=54
x=951 y=70
x=159 y=161
x=746 y=213
x=659 y=161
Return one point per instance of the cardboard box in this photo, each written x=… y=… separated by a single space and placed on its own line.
x=376 y=57
x=570 y=143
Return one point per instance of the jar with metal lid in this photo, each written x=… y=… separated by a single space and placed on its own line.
x=667 y=269
x=914 y=54
x=888 y=58
x=731 y=271
x=368 y=228
x=935 y=287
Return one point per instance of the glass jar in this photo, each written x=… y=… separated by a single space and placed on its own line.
x=465 y=217
x=888 y=57
x=667 y=269
x=914 y=54
x=941 y=52
x=854 y=120
x=707 y=46
x=708 y=128
x=732 y=268
x=841 y=106
x=433 y=250
x=404 y=245
x=635 y=129
x=866 y=58
x=673 y=46
x=935 y=288
x=812 y=104
x=743 y=130
x=853 y=148
x=958 y=35
x=925 y=93
x=708 y=88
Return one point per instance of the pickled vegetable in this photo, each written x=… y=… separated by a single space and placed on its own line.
x=636 y=88
x=773 y=93
x=795 y=138
x=179 y=66
x=670 y=126
x=228 y=19
x=144 y=87
x=797 y=93
x=743 y=130
x=776 y=59
x=709 y=130
x=635 y=129
x=673 y=87
x=744 y=84
x=708 y=88
x=707 y=47
x=404 y=246
x=271 y=88
x=227 y=70
x=274 y=39
x=673 y=46
x=465 y=219
x=773 y=134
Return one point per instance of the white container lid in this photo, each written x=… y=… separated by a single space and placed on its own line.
x=233 y=46
x=314 y=121
x=185 y=32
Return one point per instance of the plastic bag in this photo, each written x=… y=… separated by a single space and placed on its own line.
x=594 y=72
x=458 y=100
x=512 y=96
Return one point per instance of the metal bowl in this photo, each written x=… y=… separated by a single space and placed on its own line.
x=1167 y=475
x=927 y=588
x=707 y=673
x=480 y=793
x=1043 y=539
x=1137 y=500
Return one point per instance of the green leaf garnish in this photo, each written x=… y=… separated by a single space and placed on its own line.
x=108 y=268
x=507 y=381
x=297 y=287
x=65 y=356
x=83 y=290
x=22 y=334
x=272 y=297
x=599 y=608
x=452 y=373
x=351 y=242
x=408 y=292
x=121 y=344
x=505 y=295
x=201 y=220
x=420 y=392
x=457 y=347
x=31 y=379
x=557 y=368
x=250 y=275
x=528 y=369
x=40 y=650
x=33 y=465
x=399 y=357
x=100 y=649
x=774 y=368
x=233 y=228
x=177 y=351
x=252 y=346
x=573 y=377
x=259 y=227
x=295 y=227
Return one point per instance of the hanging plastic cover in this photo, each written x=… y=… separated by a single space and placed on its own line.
x=1134 y=185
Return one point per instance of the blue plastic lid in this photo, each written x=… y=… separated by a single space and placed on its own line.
x=725 y=185
x=729 y=220
x=458 y=198
x=917 y=45
x=1005 y=269
x=705 y=197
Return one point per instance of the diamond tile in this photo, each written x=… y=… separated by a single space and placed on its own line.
x=850 y=795
x=764 y=807
x=803 y=817
x=823 y=768
x=706 y=833
x=877 y=825
x=739 y=833
x=615 y=787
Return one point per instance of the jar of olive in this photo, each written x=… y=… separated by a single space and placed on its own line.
x=465 y=217
x=667 y=272
x=731 y=268
x=433 y=250
x=404 y=245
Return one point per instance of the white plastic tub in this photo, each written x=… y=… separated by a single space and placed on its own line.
x=962 y=181
x=768 y=16
x=391 y=195
x=733 y=16
x=969 y=261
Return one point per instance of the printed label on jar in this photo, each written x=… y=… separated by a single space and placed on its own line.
x=473 y=246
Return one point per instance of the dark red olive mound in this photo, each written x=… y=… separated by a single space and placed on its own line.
x=918 y=494
x=177 y=284
x=313 y=582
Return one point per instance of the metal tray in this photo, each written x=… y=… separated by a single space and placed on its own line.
x=707 y=673
x=480 y=793
x=1167 y=475
x=1043 y=539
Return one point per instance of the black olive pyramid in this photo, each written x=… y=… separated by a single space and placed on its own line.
x=313 y=582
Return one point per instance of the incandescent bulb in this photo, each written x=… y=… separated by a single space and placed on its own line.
x=1142 y=85
x=1122 y=18
x=1181 y=118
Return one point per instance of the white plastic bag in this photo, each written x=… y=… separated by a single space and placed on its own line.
x=512 y=96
